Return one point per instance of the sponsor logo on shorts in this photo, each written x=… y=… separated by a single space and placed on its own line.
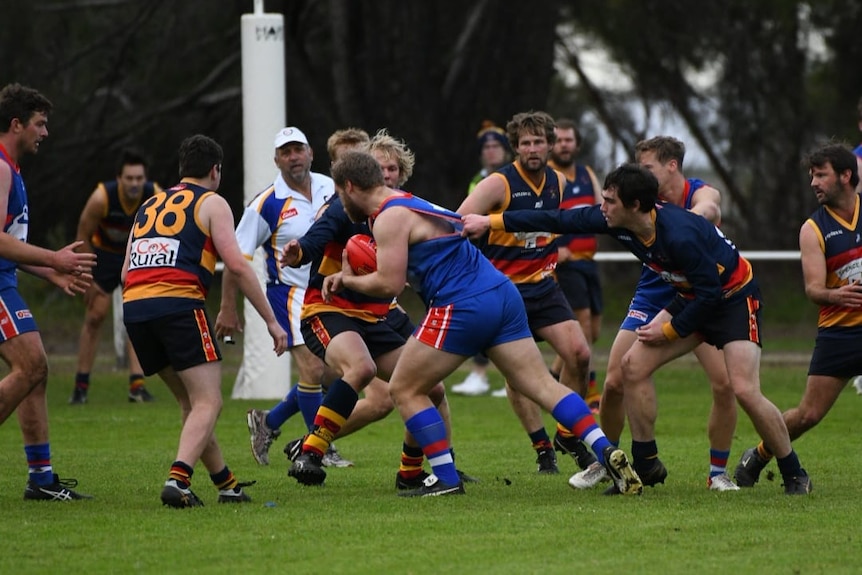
x=23 y=314
x=638 y=315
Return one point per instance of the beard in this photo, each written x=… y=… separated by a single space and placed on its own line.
x=534 y=165
x=356 y=215
x=565 y=159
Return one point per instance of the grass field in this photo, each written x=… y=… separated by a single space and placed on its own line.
x=514 y=521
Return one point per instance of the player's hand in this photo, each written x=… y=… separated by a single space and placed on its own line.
x=346 y=270
x=651 y=334
x=279 y=337
x=71 y=284
x=475 y=225
x=227 y=323
x=67 y=260
x=332 y=284
x=850 y=295
x=290 y=254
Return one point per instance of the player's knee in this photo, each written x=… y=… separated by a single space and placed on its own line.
x=361 y=371
x=722 y=390
x=437 y=395
x=808 y=417
x=315 y=374
x=578 y=359
x=380 y=406
x=747 y=396
x=94 y=314
x=614 y=379
x=613 y=386
x=631 y=371
x=379 y=400
x=32 y=366
x=583 y=354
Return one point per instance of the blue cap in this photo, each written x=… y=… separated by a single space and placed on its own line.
x=491 y=132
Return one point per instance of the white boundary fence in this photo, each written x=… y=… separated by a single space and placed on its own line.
x=750 y=256
x=606 y=256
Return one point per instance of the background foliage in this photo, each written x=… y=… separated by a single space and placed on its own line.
x=783 y=75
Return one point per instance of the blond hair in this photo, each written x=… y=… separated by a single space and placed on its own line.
x=353 y=138
x=394 y=149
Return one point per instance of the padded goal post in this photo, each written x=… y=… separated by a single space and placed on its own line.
x=262 y=375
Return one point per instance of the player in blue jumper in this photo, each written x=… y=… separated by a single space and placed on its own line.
x=471 y=306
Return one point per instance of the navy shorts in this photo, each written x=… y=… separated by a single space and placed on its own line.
x=109 y=266
x=837 y=353
x=399 y=321
x=739 y=320
x=549 y=309
x=579 y=280
x=379 y=337
x=181 y=340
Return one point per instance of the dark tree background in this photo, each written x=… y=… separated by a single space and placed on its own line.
x=151 y=72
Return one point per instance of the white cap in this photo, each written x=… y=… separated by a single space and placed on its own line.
x=290 y=134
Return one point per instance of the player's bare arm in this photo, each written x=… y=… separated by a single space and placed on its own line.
x=392 y=233
x=228 y=319
x=94 y=210
x=814 y=274
x=707 y=203
x=488 y=196
x=216 y=215
x=31 y=258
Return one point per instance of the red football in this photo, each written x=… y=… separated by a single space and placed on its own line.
x=362 y=254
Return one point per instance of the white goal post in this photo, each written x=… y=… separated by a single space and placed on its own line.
x=261 y=375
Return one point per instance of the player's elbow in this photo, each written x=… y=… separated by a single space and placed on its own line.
x=237 y=266
x=390 y=289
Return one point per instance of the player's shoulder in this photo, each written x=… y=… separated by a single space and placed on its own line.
x=703 y=191
x=670 y=214
x=707 y=189
x=260 y=199
x=211 y=200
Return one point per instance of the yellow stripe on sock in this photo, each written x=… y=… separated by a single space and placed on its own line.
x=564 y=432
x=331 y=415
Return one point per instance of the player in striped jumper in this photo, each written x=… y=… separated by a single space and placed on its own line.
x=831 y=245
x=717 y=301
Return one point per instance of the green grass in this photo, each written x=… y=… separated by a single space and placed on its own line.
x=514 y=521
